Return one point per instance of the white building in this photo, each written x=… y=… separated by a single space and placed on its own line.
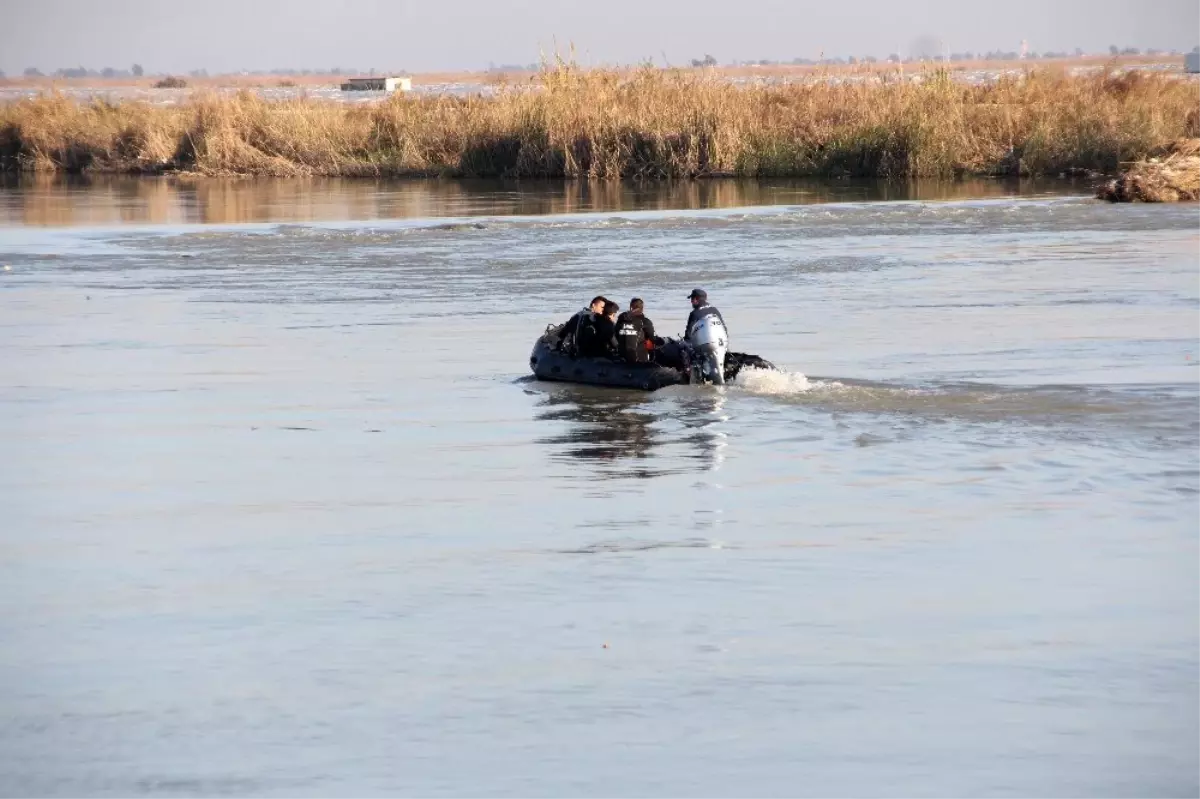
x=380 y=84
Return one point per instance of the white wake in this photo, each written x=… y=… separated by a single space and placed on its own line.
x=774 y=383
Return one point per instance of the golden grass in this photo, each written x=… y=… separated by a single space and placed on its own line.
x=1173 y=177
x=647 y=123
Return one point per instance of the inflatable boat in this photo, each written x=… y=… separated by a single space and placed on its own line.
x=671 y=367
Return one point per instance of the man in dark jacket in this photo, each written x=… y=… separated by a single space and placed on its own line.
x=569 y=335
x=700 y=309
x=599 y=340
x=635 y=333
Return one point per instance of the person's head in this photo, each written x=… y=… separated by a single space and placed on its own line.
x=635 y=306
x=698 y=297
x=610 y=309
x=597 y=304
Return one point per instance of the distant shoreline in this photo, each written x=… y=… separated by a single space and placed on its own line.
x=648 y=123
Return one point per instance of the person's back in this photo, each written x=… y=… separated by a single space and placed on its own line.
x=634 y=330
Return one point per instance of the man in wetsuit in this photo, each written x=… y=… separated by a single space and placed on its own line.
x=599 y=340
x=700 y=309
x=714 y=338
x=569 y=335
x=635 y=333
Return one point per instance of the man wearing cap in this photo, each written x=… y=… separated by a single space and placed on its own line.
x=707 y=335
x=700 y=309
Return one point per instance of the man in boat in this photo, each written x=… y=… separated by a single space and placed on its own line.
x=569 y=336
x=700 y=310
x=600 y=339
x=706 y=336
x=635 y=333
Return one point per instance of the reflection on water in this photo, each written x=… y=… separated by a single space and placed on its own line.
x=613 y=434
x=48 y=200
x=604 y=430
x=702 y=413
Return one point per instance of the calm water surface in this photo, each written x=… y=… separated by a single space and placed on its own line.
x=285 y=515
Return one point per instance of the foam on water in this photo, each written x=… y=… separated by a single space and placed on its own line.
x=774 y=383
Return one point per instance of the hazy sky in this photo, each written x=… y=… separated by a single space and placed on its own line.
x=425 y=35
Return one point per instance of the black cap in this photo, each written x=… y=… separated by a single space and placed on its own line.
x=699 y=294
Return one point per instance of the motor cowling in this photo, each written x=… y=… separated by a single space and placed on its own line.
x=710 y=341
x=709 y=329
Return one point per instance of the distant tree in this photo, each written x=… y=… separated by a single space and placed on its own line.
x=707 y=61
x=1131 y=51
x=137 y=70
x=894 y=58
x=32 y=72
x=1 y=74
x=869 y=60
x=1078 y=52
x=199 y=73
x=108 y=72
x=1114 y=50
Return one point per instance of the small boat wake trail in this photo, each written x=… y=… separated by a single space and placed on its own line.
x=772 y=383
x=1164 y=410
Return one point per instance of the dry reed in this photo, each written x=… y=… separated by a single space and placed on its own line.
x=1173 y=177
x=649 y=123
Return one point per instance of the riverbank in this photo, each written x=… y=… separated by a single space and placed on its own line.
x=648 y=124
x=1172 y=177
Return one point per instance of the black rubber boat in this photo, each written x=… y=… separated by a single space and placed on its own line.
x=547 y=362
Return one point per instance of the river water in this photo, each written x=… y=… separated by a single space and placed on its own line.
x=284 y=513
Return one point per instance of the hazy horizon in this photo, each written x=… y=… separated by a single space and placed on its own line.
x=229 y=35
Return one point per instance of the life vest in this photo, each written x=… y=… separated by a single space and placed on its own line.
x=631 y=338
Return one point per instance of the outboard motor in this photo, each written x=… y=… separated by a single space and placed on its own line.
x=710 y=341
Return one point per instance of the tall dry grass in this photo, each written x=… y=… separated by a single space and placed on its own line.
x=646 y=124
x=1174 y=177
